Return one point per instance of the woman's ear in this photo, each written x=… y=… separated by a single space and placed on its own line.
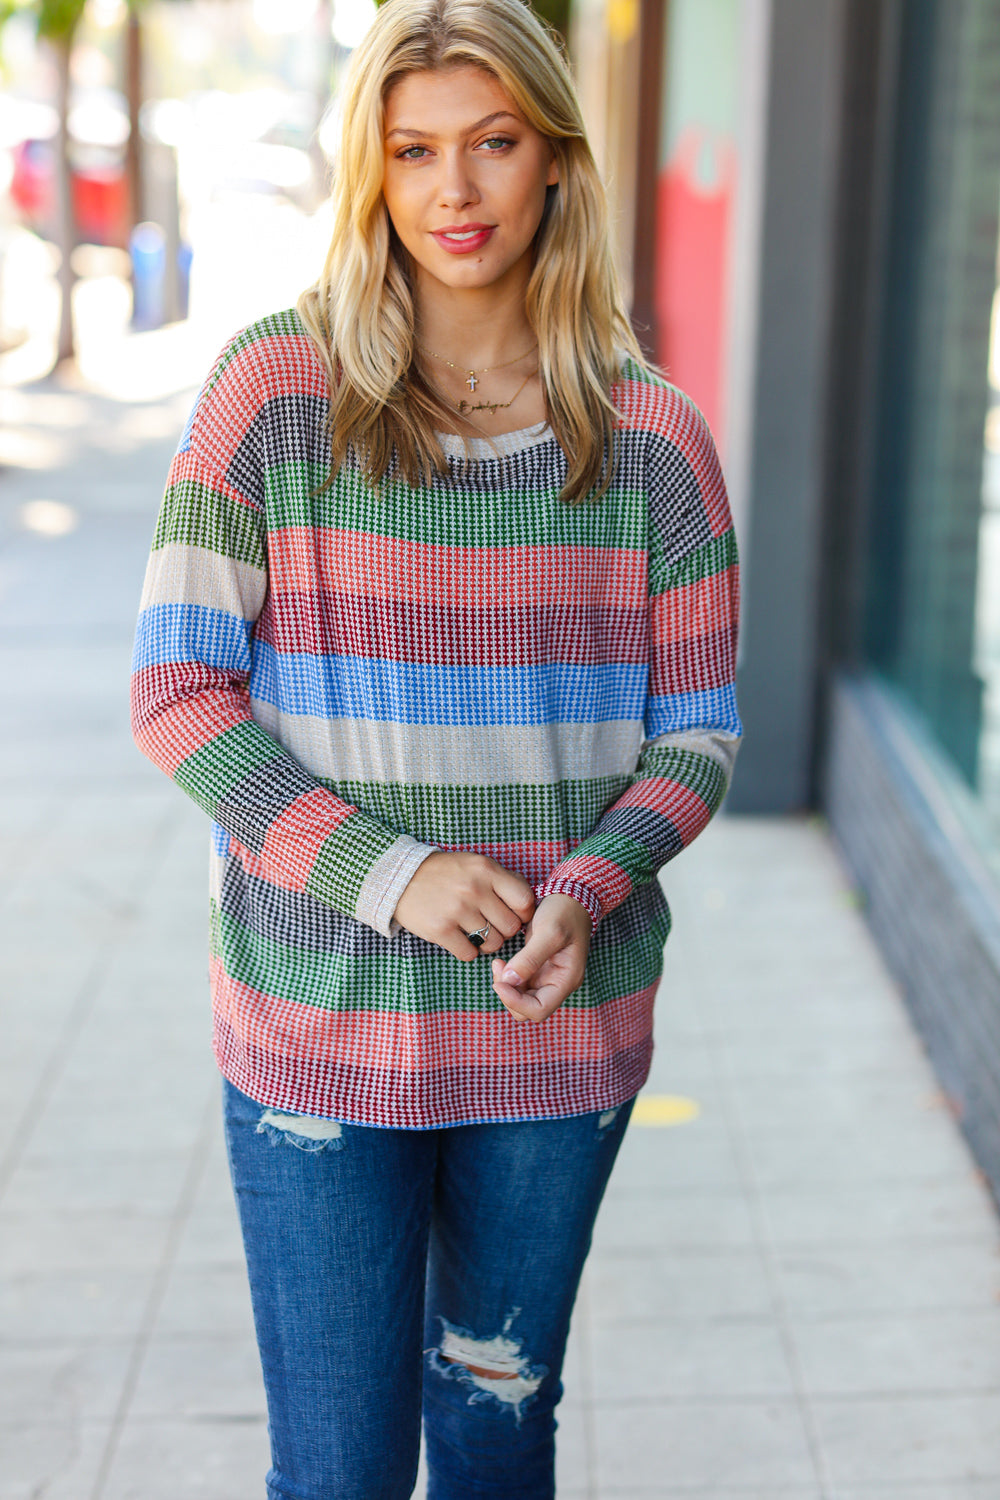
x=553 y=176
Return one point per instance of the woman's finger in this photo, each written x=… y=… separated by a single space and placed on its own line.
x=515 y=893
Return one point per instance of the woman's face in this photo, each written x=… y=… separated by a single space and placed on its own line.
x=464 y=178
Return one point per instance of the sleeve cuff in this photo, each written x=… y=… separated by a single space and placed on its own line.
x=558 y=886
x=386 y=881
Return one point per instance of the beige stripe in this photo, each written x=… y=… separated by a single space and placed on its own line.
x=453 y=755
x=192 y=575
x=718 y=744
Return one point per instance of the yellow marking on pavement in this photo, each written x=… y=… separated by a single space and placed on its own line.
x=664 y=1109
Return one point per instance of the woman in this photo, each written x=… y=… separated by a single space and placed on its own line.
x=456 y=695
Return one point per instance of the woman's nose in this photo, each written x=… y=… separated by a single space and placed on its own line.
x=457 y=187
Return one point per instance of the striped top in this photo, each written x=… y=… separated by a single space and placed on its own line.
x=346 y=681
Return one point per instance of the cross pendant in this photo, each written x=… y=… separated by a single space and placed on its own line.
x=471 y=380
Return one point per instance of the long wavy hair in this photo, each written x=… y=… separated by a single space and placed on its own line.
x=361 y=314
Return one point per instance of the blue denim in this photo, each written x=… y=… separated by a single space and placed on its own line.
x=387 y=1267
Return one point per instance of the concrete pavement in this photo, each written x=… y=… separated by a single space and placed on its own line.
x=794 y=1289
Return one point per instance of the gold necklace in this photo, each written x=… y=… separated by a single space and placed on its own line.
x=472 y=378
x=464 y=407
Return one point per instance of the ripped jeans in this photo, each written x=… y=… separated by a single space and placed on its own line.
x=406 y=1274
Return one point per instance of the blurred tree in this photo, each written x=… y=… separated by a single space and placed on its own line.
x=134 y=86
x=556 y=12
x=56 y=22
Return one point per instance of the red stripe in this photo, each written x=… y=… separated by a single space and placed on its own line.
x=426 y=631
x=309 y=1034
x=458 y=578
x=293 y=841
x=672 y=799
x=384 y=1096
x=694 y=665
x=608 y=880
x=179 y=707
x=694 y=608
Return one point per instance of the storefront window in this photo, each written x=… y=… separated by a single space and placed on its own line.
x=933 y=586
x=987 y=636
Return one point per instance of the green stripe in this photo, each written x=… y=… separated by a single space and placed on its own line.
x=518 y=515
x=194 y=514
x=210 y=773
x=445 y=814
x=568 y=809
x=437 y=983
x=701 y=774
x=344 y=859
x=706 y=561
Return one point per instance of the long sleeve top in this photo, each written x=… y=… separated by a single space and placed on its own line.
x=346 y=679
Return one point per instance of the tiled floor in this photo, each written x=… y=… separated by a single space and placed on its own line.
x=792 y=1296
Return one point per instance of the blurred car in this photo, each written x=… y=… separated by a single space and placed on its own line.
x=98 y=127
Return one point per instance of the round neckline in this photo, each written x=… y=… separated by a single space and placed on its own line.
x=502 y=445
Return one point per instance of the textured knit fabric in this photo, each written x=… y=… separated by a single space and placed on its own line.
x=346 y=680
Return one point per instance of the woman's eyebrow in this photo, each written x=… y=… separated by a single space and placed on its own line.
x=429 y=135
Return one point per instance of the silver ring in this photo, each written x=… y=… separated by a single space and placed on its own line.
x=479 y=937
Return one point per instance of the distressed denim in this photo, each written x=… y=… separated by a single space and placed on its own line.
x=387 y=1268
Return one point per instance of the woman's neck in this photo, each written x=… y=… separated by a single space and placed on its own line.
x=477 y=329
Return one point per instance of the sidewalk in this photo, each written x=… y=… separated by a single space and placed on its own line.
x=795 y=1288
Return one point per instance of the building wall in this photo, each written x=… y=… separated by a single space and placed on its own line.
x=696 y=193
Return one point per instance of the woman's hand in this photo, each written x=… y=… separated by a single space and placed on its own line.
x=453 y=893
x=550 y=966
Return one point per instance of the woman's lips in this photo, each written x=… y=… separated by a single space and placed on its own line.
x=460 y=240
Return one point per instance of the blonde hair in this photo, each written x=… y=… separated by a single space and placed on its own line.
x=360 y=313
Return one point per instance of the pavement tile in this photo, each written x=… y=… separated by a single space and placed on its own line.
x=769 y=1491
x=835 y=1101
x=101 y=1182
x=70 y=1382
x=201 y=1460
x=697 y=1443
x=892 y=1277
x=158 y=1106
x=940 y=1438
x=57 y=1460
x=938 y=1209
x=793 y=1003
x=682 y=1063
x=210 y=1300
x=211 y=1236
x=636 y=1223
x=209 y=1378
x=573 y=1458
x=970 y=1489
x=677 y=1283
x=688 y=1359
x=869 y=1046
x=947 y=1352
x=870 y=1151
x=87 y=1241
x=103 y=1302
x=678 y=1158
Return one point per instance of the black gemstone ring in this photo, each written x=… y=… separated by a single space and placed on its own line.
x=479 y=937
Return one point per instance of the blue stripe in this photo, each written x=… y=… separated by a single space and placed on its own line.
x=190 y=632
x=714 y=709
x=409 y=693
x=220 y=839
x=185 y=442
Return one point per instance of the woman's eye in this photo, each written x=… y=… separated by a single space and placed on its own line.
x=411 y=153
x=496 y=142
